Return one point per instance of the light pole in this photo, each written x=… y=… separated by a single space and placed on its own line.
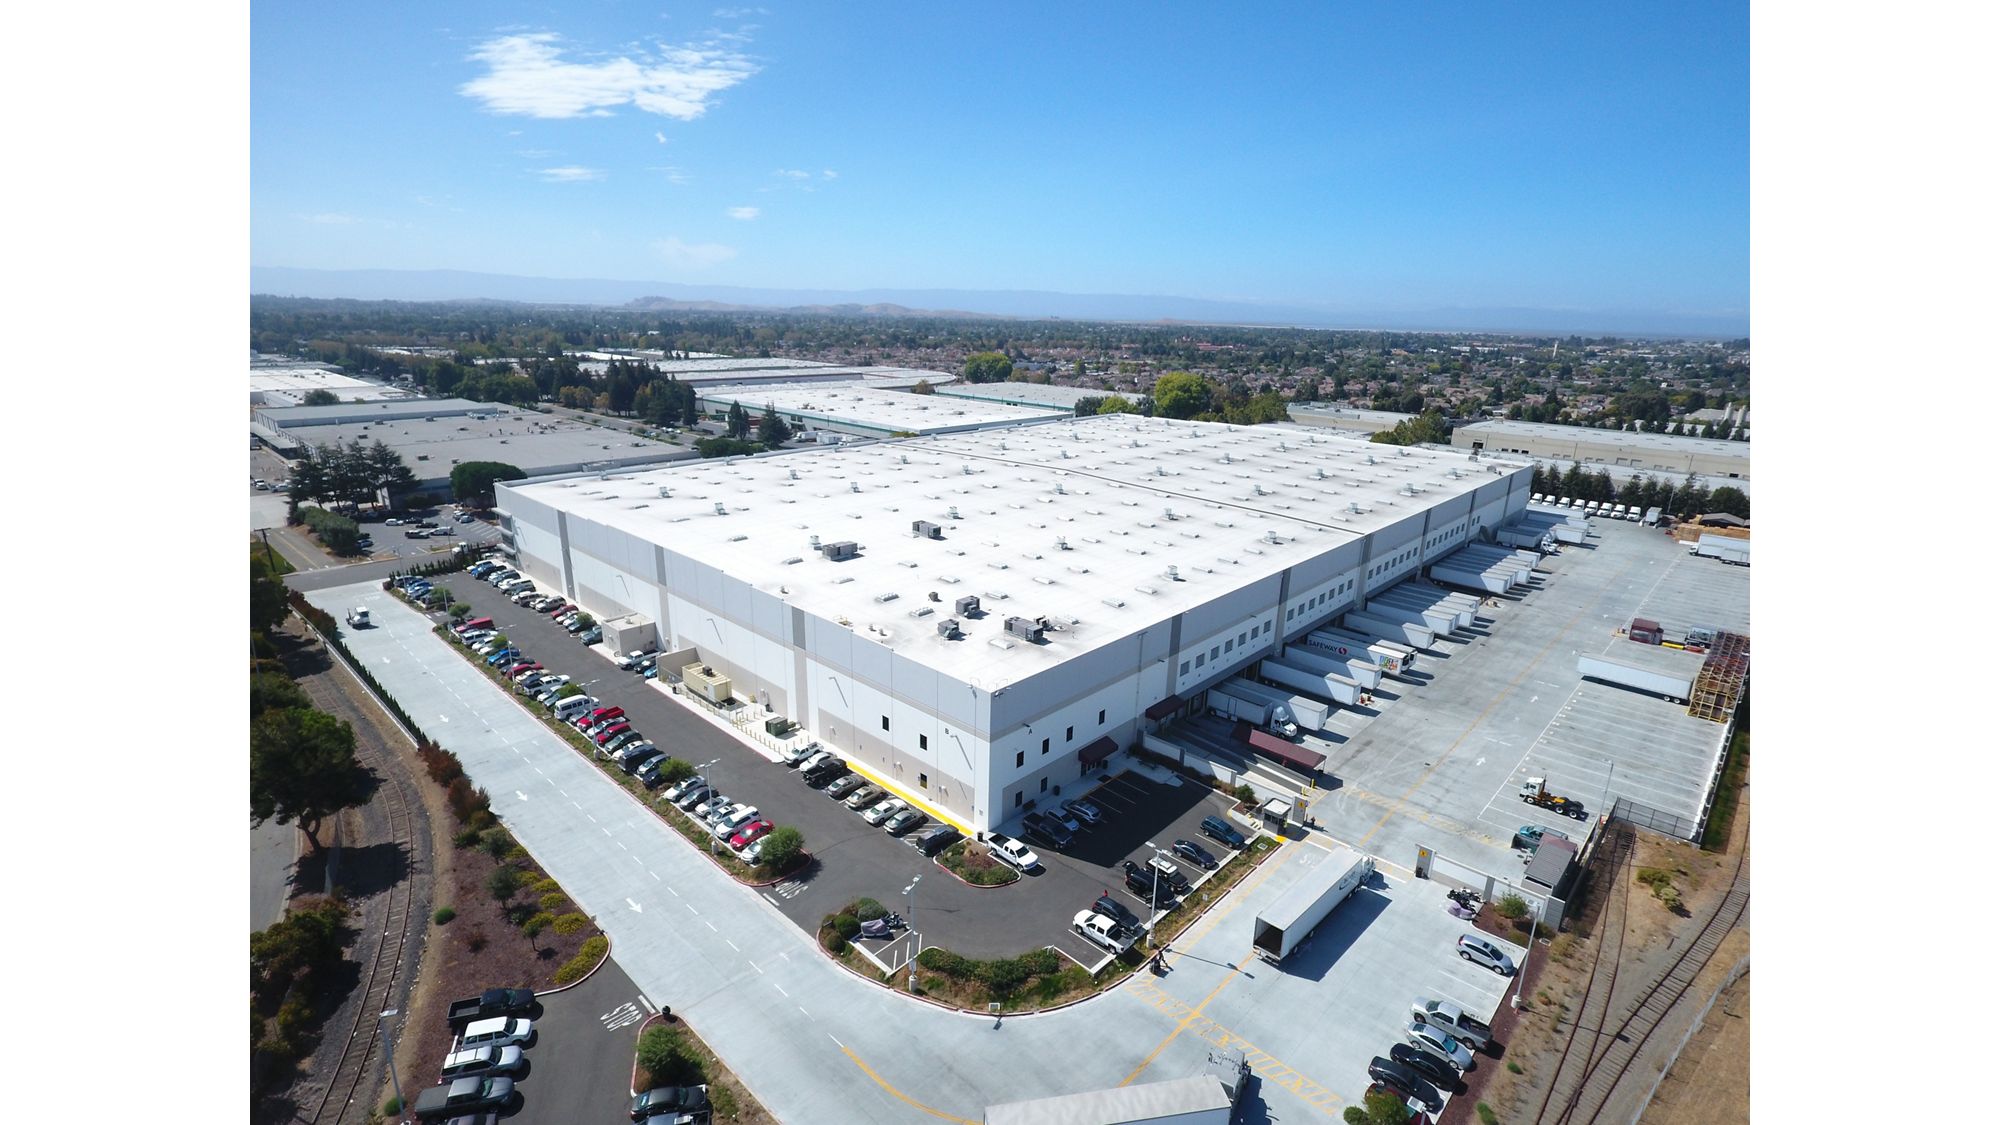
x=1521 y=976
x=713 y=843
x=389 y=1060
x=910 y=904
x=1153 y=900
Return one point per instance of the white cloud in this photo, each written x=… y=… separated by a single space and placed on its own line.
x=698 y=255
x=738 y=13
x=744 y=213
x=674 y=175
x=527 y=76
x=829 y=173
x=793 y=174
x=571 y=174
x=659 y=136
x=330 y=218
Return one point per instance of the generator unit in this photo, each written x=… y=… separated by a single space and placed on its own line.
x=925 y=529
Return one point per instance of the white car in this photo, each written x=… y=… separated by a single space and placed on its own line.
x=1479 y=951
x=1012 y=852
x=1100 y=930
x=885 y=810
x=1440 y=1044
x=626 y=661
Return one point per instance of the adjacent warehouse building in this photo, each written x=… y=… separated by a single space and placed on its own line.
x=1038 y=395
x=1659 y=453
x=433 y=435
x=865 y=411
x=977 y=620
x=1341 y=418
x=276 y=381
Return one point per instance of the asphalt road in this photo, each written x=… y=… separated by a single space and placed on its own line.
x=856 y=860
x=274 y=849
x=580 y=1068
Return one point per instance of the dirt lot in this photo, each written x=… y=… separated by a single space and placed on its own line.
x=1711 y=1081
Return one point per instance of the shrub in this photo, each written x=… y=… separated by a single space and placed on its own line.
x=392 y=1107
x=538 y=921
x=503 y=884
x=1513 y=1068
x=465 y=837
x=1562 y=946
x=1486 y=1114
x=553 y=901
x=940 y=960
x=1003 y=976
x=1244 y=793
x=868 y=910
x=1511 y=906
x=497 y=843
x=475 y=939
x=847 y=926
x=443 y=914
x=783 y=847
x=666 y=1055
x=1041 y=962
x=543 y=885
x=567 y=924
x=834 y=943
x=517 y=854
x=585 y=960
x=722 y=1100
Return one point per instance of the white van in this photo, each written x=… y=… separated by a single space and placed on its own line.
x=500 y=1031
x=573 y=706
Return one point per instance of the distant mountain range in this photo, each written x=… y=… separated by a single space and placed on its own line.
x=459 y=285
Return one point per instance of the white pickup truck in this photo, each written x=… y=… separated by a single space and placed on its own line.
x=1012 y=852
x=1452 y=1020
x=357 y=617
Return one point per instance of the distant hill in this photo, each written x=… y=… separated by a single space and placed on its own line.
x=460 y=285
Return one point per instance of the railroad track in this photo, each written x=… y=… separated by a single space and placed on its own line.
x=378 y=982
x=1573 y=1069
x=1644 y=1015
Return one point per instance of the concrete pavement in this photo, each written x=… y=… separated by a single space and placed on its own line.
x=274 y=853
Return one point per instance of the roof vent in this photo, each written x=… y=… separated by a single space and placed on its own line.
x=793 y=561
x=1114 y=603
x=854 y=486
x=665 y=491
x=952 y=512
x=1147 y=589
x=1319 y=473
x=904 y=459
x=1173 y=574
x=738 y=538
x=1062 y=544
x=1371 y=458
x=965 y=469
x=885 y=599
x=792 y=473
x=814 y=541
x=721 y=509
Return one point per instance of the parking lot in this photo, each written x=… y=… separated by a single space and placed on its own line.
x=855 y=859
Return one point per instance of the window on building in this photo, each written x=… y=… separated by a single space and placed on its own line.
x=1017 y=800
x=1229 y=646
x=1200 y=659
x=1242 y=638
x=923 y=742
x=923 y=781
x=1069 y=734
x=1020 y=758
x=1100 y=717
x=1045 y=785
x=885 y=722
x=1184 y=667
x=1215 y=652
x=1045 y=745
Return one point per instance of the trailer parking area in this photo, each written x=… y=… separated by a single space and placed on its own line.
x=1310 y=1025
x=1696 y=591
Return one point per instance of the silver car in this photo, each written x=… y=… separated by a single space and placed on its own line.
x=1479 y=951
x=1441 y=1044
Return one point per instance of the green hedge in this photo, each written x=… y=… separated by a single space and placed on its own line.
x=586 y=959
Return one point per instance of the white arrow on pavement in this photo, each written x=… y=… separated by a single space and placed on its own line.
x=520 y=794
x=636 y=908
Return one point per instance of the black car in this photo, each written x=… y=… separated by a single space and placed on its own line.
x=935 y=840
x=647 y=769
x=1435 y=1070
x=1039 y=828
x=1404 y=1081
x=1218 y=829
x=1140 y=881
x=1194 y=853
x=669 y=1099
x=1173 y=880
x=1116 y=911
x=825 y=772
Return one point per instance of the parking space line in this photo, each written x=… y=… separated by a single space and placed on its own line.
x=781 y=990
x=711 y=926
x=729 y=943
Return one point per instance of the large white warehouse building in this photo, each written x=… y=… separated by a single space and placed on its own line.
x=1119 y=566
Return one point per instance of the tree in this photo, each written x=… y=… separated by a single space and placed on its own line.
x=923 y=387
x=675 y=771
x=738 y=423
x=320 y=396
x=274 y=691
x=725 y=447
x=782 y=847
x=269 y=604
x=1426 y=427
x=771 y=429
x=302 y=767
x=664 y=1053
x=472 y=482
x=503 y=884
x=1087 y=405
x=1377 y=1109
x=987 y=367
x=1730 y=499
x=1179 y=394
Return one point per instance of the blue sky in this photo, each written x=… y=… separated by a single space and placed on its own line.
x=1366 y=155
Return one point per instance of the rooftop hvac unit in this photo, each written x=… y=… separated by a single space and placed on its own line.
x=721 y=509
x=1319 y=474
x=666 y=492
x=953 y=512
x=792 y=473
x=854 y=486
x=1062 y=544
x=1024 y=629
x=948 y=629
x=967 y=606
x=925 y=529
x=1371 y=458
x=841 y=551
x=814 y=540
x=1169 y=513
x=965 y=469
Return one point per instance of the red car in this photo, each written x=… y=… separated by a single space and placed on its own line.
x=555 y=607
x=524 y=666
x=599 y=715
x=612 y=731
x=749 y=834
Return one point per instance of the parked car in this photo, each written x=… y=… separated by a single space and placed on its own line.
x=1035 y=826
x=1405 y=1081
x=884 y=811
x=626 y=661
x=695 y=797
x=737 y=816
x=461 y=1096
x=1219 y=830
x=1436 y=1071
x=1431 y=1041
x=863 y=797
x=825 y=772
x=682 y=788
x=794 y=755
x=1100 y=930
x=852 y=783
x=714 y=804
x=1117 y=911
x=476 y=1061
x=591 y=635
x=1055 y=814
x=670 y=1099
x=814 y=759
x=1170 y=876
x=931 y=841
x=649 y=771
x=1479 y=951
x=1012 y=852
x=631 y=752
x=1146 y=883
x=743 y=837
x=1084 y=811
x=488 y=1004
x=1194 y=853
x=607 y=733
x=903 y=821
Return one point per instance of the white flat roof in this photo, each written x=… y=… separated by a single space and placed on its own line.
x=1317 y=410
x=1549 y=431
x=1129 y=496
x=296 y=380
x=876 y=408
x=1035 y=394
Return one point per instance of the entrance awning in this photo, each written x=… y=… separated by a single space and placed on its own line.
x=1094 y=754
x=1165 y=707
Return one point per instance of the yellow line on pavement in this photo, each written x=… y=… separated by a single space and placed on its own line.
x=898 y=1094
x=1193 y=1014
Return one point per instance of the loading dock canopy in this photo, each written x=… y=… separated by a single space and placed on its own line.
x=1095 y=753
x=1271 y=745
x=1165 y=707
